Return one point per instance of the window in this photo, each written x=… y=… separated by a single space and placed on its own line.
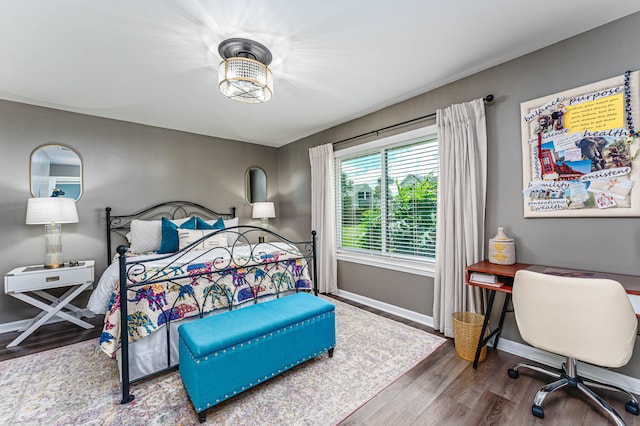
x=387 y=197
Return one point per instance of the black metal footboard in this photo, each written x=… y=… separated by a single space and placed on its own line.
x=194 y=282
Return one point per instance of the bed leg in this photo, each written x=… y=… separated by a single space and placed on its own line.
x=330 y=352
x=202 y=416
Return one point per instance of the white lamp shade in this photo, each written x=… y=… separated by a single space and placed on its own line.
x=51 y=210
x=265 y=210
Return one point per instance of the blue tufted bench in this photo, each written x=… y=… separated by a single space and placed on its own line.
x=224 y=355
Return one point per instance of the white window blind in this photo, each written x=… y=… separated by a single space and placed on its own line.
x=387 y=199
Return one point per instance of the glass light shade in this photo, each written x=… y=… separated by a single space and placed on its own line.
x=245 y=80
x=264 y=210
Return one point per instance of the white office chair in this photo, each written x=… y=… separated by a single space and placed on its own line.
x=584 y=319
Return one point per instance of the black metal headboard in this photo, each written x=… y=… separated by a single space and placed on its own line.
x=121 y=224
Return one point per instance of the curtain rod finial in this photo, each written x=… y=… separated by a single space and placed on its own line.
x=488 y=99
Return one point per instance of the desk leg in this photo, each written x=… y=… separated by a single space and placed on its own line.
x=507 y=297
x=481 y=342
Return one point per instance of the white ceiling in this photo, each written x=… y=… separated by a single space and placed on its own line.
x=155 y=61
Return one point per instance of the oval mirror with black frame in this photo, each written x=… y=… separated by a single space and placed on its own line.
x=56 y=171
x=255 y=185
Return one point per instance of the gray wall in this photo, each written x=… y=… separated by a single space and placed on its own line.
x=125 y=166
x=604 y=244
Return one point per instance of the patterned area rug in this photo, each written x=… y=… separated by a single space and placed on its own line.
x=78 y=384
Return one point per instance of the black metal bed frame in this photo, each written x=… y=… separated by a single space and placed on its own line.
x=130 y=268
x=121 y=224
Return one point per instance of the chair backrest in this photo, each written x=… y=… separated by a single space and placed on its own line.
x=590 y=319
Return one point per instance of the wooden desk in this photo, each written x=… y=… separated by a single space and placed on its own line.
x=630 y=283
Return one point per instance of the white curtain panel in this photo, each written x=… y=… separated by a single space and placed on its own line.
x=462 y=190
x=323 y=216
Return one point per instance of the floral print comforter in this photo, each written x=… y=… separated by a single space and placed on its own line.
x=197 y=288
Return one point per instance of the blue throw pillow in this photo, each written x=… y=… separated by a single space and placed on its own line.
x=201 y=224
x=169 y=242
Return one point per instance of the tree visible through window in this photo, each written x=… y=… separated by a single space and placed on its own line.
x=387 y=199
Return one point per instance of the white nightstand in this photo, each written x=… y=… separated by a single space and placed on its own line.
x=35 y=279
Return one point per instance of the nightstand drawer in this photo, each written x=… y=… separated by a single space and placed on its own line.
x=47 y=279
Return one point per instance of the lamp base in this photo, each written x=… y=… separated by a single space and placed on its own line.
x=53 y=246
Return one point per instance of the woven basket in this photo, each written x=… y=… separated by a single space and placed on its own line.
x=467 y=327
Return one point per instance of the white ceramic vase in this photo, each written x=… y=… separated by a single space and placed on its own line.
x=502 y=249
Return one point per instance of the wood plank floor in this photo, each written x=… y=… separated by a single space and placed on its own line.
x=441 y=390
x=49 y=337
x=445 y=390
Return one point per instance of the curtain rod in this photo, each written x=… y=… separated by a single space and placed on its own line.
x=487 y=99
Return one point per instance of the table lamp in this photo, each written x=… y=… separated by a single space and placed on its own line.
x=51 y=212
x=264 y=211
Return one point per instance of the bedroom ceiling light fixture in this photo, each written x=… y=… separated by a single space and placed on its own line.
x=243 y=74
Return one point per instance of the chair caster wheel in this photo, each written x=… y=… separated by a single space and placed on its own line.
x=537 y=411
x=632 y=408
x=513 y=373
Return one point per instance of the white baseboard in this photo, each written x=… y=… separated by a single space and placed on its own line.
x=386 y=307
x=8 y=327
x=520 y=349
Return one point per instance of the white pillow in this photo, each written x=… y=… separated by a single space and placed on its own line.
x=230 y=222
x=188 y=236
x=179 y=222
x=233 y=235
x=146 y=235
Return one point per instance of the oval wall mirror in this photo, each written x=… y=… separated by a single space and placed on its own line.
x=255 y=185
x=56 y=171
